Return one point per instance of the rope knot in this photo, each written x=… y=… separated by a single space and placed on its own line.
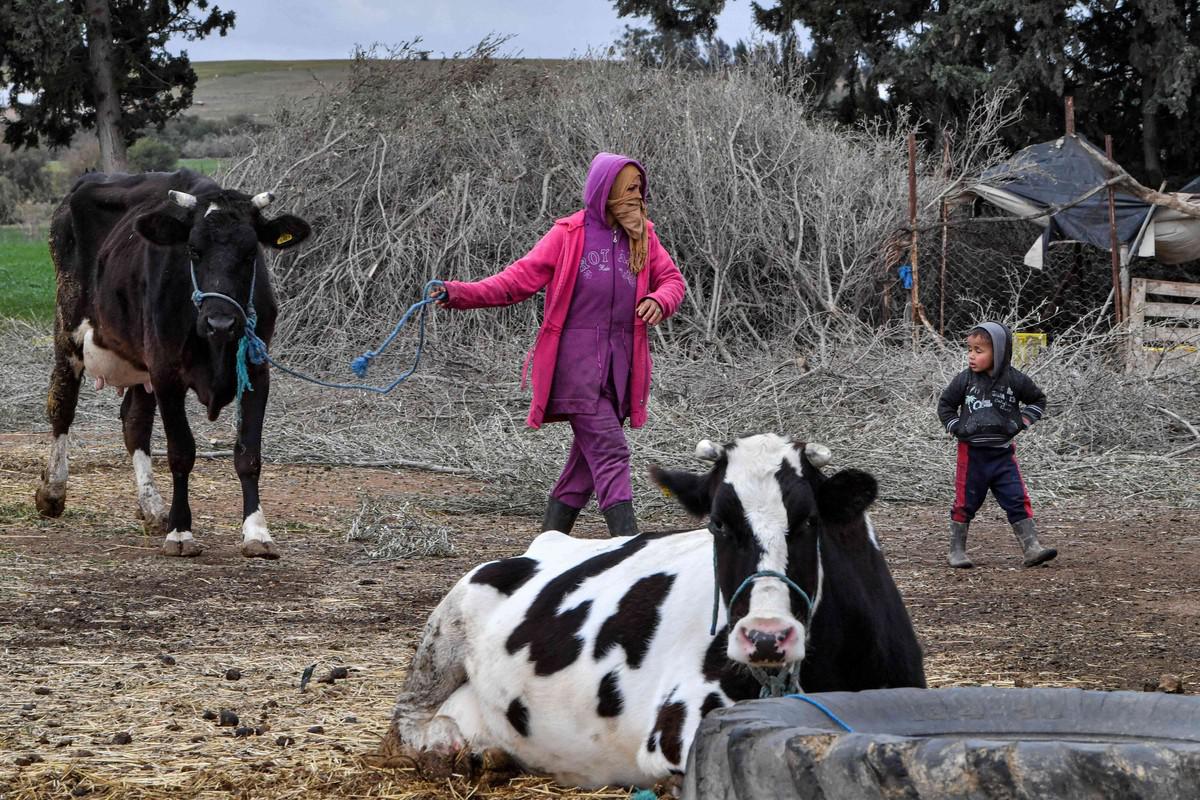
x=362 y=363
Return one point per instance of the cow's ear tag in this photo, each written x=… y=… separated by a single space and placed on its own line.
x=284 y=238
x=665 y=491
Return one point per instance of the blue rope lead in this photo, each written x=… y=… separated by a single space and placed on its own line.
x=253 y=350
x=821 y=707
x=258 y=349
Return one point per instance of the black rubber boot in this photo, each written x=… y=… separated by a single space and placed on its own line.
x=559 y=516
x=621 y=520
x=958 y=545
x=1031 y=548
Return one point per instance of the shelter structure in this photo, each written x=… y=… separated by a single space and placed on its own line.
x=1061 y=185
x=1042 y=182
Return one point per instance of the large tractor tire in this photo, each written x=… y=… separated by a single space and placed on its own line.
x=938 y=744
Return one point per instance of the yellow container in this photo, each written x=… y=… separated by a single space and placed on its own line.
x=1026 y=347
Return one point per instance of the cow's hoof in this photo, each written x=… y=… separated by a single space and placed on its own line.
x=392 y=754
x=256 y=548
x=50 y=503
x=495 y=766
x=670 y=787
x=437 y=765
x=153 y=524
x=188 y=548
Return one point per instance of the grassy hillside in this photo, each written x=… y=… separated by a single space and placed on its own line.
x=26 y=275
x=225 y=88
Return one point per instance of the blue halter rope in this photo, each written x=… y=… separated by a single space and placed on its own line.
x=253 y=349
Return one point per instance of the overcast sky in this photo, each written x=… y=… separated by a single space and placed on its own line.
x=301 y=29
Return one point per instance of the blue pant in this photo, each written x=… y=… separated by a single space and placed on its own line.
x=983 y=468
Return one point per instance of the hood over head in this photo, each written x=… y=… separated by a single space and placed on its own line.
x=1001 y=346
x=600 y=177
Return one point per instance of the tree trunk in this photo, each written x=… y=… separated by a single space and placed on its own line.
x=108 y=102
x=1150 y=147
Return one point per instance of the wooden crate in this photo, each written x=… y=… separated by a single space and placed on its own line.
x=1164 y=334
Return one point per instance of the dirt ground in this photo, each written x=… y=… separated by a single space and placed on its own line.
x=112 y=655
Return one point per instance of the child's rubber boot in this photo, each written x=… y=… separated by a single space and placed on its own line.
x=559 y=516
x=958 y=546
x=621 y=520
x=1026 y=533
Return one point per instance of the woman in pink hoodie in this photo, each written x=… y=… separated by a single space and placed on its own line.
x=607 y=277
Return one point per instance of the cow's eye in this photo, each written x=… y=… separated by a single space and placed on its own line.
x=717 y=529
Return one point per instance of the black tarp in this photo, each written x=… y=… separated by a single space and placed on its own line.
x=1058 y=172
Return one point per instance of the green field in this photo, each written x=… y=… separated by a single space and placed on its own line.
x=205 y=166
x=26 y=275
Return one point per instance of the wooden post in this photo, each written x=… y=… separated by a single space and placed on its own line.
x=912 y=226
x=1069 y=110
x=945 y=236
x=1114 y=243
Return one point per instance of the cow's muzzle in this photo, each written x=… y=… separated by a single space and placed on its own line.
x=766 y=641
x=219 y=328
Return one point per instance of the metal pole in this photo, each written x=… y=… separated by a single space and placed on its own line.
x=945 y=236
x=1114 y=244
x=912 y=224
x=1070 y=114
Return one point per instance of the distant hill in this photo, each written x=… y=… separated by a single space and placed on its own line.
x=225 y=88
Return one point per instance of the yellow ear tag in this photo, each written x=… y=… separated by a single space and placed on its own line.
x=665 y=491
x=284 y=238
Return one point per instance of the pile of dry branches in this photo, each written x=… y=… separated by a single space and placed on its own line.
x=391 y=529
x=1120 y=437
x=414 y=170
x=417 y=170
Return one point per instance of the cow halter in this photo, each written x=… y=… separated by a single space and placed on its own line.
x=786 y=679
x=249 y=346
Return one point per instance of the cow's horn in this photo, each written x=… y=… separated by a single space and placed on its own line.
x=182 y=199
x=818 y=454
x=706 y=450
x=262 y=199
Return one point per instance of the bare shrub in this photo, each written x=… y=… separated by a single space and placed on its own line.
x=416 y=170
x=779 y=221
x=393 y=529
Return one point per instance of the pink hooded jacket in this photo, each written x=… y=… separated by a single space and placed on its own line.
x=553 y=263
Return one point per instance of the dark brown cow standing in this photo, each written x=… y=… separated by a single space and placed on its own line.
x=122 y=246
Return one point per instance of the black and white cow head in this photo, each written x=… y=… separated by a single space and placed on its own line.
x=222 y=231
x=768 y=506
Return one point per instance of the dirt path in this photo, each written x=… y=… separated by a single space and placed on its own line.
x=102 y=637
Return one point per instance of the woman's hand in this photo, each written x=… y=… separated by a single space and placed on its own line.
x=443 y=297
x=650 y=312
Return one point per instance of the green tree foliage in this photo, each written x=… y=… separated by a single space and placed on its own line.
x=44 y=53
x=680 y=29
x=1132 y=65
x=27 y=170
x=152 y=155
x=10 y=195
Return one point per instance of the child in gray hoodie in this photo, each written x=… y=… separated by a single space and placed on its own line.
x=986 y=406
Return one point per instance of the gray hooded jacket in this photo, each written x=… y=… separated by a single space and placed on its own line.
x=987 y=409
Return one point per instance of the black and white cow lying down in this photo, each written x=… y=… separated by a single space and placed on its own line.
x=591 y=660
x=126 y=249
